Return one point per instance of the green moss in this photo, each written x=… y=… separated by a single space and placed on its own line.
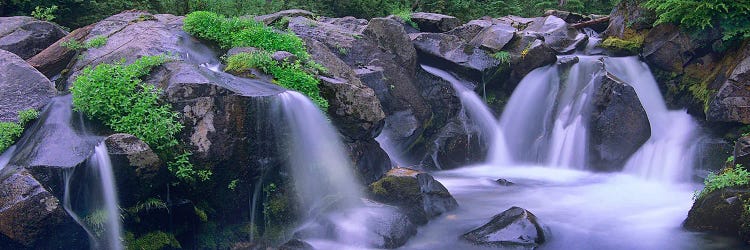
x=151 y=241
x=629 y=46
x=396 y=189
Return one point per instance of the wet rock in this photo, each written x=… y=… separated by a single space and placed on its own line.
x=629 y=13
x=668 y=48
x=369 y=158
x=296 y=244
x=618 y=126
x=720 y=211
x=433 y=22
x=504 y=182
x=55 y=58
x=26 y=36
x=135 y=166
x=494 y=38
x=453 y=52
x=416 y=193
x=283 y=56
x=23 y=87
x=272 y=18
x=567 y=16
x=742 y=151
x=33 y=218
x=556 y=33
x=513 y=228
x=468 y=31
x=732 y=102
x=527 y=53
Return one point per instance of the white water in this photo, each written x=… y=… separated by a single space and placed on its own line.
x=479 y=114
x=102 y=166
x=5 y=157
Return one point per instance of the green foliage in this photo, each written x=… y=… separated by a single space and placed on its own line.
x=233 y=184
x=151 y=241
x=730 y=177
x=149 y=204
x=630 y=46
x=96 y=221
x=502 y=56
x=44 y=13
x=114 y=94
x=405 y=15
x=729 y=15
x=95 y=42
x=289 y=75
x=11 y=131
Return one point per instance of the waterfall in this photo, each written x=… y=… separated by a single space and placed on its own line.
x=546 y=117
x=668 y=154
x=479 y=114
x=102 y=166
x=5 y=157
x=320 y=168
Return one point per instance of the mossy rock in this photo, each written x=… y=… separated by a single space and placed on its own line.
x=417 y=194
x=155 y=240
x=622 y=47
x=723 y=211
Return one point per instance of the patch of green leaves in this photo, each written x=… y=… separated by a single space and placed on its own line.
x=730 y=177
x=502 y=56
x=114 y=94
x=405 y=15
x=729 y=15
x=152 y=241
x=44 y=13
x=95 y=42
x=11 y=131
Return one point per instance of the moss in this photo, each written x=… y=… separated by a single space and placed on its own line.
x=396 y=189
x=152 y=241
x=622 y=46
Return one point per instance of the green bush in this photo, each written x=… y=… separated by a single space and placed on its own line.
x=95 y=42
x=731 y=177
x=288 y=75
x=405 y=15
x=114 y=94
x=729 y=15
x=11 y=131
x=237 y=32
x=44 y=13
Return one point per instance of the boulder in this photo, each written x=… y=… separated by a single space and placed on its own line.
x=629 y=14
x=470 y=30
x=515 y=228
x=454 y=53
x=668 y=48
x=722 y=212
x=419 y=195
x=136 y=168
x=433 y=22
x=618 y=126
x=732 y=102
x=283 y=56
x=494 y=38
x=31 y=217
x=26 y=36
x=55 y=58
x=527 y=53
x=23 y=87
x=556 y=33
x=742 y=151
x=273 y=17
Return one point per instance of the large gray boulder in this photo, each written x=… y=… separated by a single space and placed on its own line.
x=23 y=87
x=419 y=195
x=136 y=167
x=495 y=37
x=433 y=22
x=732 y=102
x=618 y=126
x=32 y=218
x=556 y=33
x=515 y=228
x=273 y=17
x=455 y=53
x=26 y=36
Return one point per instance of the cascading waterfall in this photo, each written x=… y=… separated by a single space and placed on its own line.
x=481 y=115
x=102 y=167
x=668 y=154
x=5 y=157
x=546 y=118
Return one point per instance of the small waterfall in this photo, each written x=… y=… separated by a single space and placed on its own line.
x=5 y=157
x=668 y=155
x=546 y=117
x=102 y=166
x=479 y=114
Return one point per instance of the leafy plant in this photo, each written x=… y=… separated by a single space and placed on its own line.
x=11 y=131
x=729 y=15
x=405 y=15
x=730 y=177
x=114 y=94
x=233 y=184
x=502 y=56
x=149 y=204
x=95 y=42
x=152 y=241
x=44 y=13
x=25 y=116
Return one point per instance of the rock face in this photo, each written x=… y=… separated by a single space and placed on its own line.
x=31 y=217
x=271 y=18
x=742 y=151
x=629 y=13
x=26 y=36
x=23 y=87
x=55 y=58
x=514 y=228
x=720 y=211
x=419 y=195
x=732 y=102
x=433 y=22
x=136 y=167
x=457 y=54
x=618 y=126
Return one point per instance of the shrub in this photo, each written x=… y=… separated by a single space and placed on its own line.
x=238 y=32
x=730 y=177
x=405 y=15
x=10 y=131
x=114 y=94
x=729 y=15
x=502 y=56
x=44 y=13
x=288 y=75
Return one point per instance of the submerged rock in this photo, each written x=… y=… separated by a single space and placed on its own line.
x=23 y=87
x=618 y=126
x=26 y=36
x=419 y=195
x=31 y=217
x=513 y=228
